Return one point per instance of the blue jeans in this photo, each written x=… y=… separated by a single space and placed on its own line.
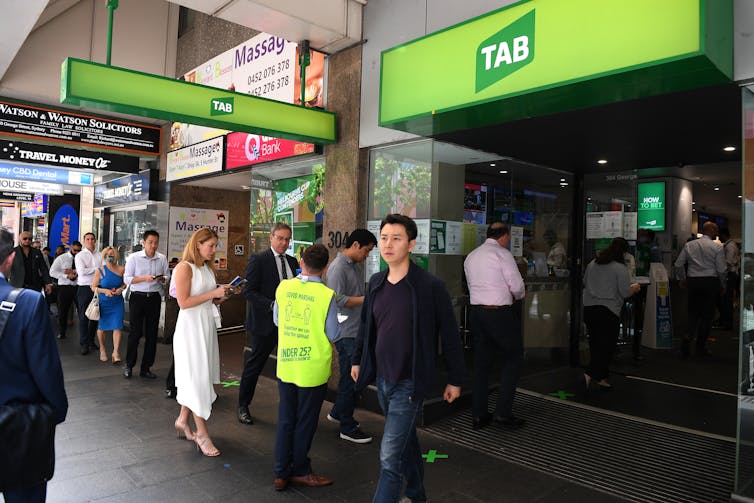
x=400 y=456
x=346 y=401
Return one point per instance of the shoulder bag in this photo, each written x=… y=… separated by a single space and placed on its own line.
x=92 y=310
x=27 y=432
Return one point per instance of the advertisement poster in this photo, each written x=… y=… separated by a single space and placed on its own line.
x=517 y=241
x=372 y=263
x=652 y=205
x=35 y=208
x=199 y=159
x=423 y=236
x=245 y=149
x=612 y=224
x=594 y=225
x=184 y=221
x=664 y=327
x=475 y=203
x=64 y=228
x=300 y=197
x=629 y=225
x=445 y=237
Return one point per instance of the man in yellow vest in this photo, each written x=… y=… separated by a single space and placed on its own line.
x=306 y=315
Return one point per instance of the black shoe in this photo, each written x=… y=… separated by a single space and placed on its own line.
x=85 y=350
x=61 y=336
x=477 y=423
x=127 y=372
x=510 y=422
x=171 y=392
x=244 y=416
x=148 y=374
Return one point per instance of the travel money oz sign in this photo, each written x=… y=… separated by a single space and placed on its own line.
x=651 y=206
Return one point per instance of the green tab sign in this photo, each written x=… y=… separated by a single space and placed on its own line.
x=221 y=106
x=114 y=89
x=651 y=206
x=505 y=52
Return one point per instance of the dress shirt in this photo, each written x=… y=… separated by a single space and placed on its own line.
x=705 y=259
x=139 y=264
x=493 y=276
x=290 y=274
x=86 y=263
x=59 y=265
x=331 y=322
x=346 y=278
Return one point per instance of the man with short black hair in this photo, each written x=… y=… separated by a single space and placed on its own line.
x=347 y=279
x=406 y=311
x=87 y=262
x=29 y=268
x=64 y=270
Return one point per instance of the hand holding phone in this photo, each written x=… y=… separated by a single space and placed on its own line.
x=237 y=281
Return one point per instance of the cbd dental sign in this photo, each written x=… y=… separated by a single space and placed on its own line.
x=540 y=57
x=652 y=206
x=200 y=159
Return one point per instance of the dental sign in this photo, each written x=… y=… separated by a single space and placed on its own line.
x=66 y=157
x=651 y=206
x=40 y=174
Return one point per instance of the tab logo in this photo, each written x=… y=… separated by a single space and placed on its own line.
x=506 y=51
x=221 y=106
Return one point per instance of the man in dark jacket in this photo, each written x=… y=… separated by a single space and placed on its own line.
x=30 y=370
x=29 y=269
x=406 y=310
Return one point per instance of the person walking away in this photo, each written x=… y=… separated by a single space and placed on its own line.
x=705 y=278
x=263 y=275
x=146 y=272
x=495 y=283
x=195 y=348
x=607 y=283
x=108 y=285
x=87 y=262
x=30 y=373
x=307 y=320
x=64 y=270
x=347 y=279
x=406 y=312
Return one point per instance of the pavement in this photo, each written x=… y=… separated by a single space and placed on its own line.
x=118 y=444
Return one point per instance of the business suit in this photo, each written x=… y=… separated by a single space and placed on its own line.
x=30 y=370
x=40 y=271
x=263 y=277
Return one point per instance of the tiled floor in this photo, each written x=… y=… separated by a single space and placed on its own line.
x=118 y=444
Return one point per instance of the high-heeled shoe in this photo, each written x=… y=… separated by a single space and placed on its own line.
x=183 y=430
x=102 y=356
x=116 y=360
x=200 y=447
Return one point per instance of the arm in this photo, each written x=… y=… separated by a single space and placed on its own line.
x=625 y=287
x=83 y=266
x=44 y=271
x=253 y=281
x=513 y=277
x=358 y=348
x=183 y=276
x=57 y=270
x=680 y=262
x=337 y=281
x=331 y=322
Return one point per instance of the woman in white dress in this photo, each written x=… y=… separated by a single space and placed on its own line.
x=197 y=358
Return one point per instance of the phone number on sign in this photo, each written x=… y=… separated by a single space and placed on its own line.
x=268 y=72
x=270 y=86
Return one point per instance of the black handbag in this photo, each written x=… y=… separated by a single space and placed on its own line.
x=27 y=432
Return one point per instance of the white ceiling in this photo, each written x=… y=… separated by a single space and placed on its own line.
x=17 y=20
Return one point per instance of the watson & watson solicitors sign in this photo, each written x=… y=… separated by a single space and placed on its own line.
x=30 y=121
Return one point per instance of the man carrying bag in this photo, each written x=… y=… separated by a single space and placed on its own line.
x=32 y=395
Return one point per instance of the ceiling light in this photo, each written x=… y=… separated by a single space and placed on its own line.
x=562 y=179
x=492 y=164
x=245 y=187
x=716 y=188
x=693 y=202
x=563 y=184
x=740 y=197
x=504 y=172
x=729 y=148
x=693 y=210
x=602 y=161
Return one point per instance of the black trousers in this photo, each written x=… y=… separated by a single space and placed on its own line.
x=144 y=320
x=87 y=328
x=726 y=301
x=298 y=418
x=640 y=301
x=497 y=337
x=703 y=294
x=66 y=297
x=603 y=326
x=254 y=358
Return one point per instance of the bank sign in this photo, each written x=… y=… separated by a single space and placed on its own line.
x=651 y=206
x=540 y=57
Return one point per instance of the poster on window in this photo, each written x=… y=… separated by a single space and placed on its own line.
x=185 y=221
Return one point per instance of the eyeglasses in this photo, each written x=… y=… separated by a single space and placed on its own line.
x=25 y=239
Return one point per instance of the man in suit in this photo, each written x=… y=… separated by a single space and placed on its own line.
x=263 y=274
x=30 y=370
x=29 y=268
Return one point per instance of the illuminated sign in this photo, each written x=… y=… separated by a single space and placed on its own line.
x=651 y=206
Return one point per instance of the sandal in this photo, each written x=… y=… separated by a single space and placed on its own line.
x=116 y=360
x=208 y=450
x=102 y=356
x=184 y=430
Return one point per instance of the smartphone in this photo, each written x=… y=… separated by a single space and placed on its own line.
x=158 y=276
x=237 y=281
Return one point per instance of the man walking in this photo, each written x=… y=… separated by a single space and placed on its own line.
x=306 y=317
x=30 y=373
x=494 y=284
x=146 y=273
x=263 y=275
x=406 y=310
x=347 y=279
x=29 y=269
x=64 y=270
x=87 y=261
x=707 y=273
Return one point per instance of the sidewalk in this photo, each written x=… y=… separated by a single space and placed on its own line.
x=118 y=444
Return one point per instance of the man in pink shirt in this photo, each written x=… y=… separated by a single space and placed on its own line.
x=494 y=284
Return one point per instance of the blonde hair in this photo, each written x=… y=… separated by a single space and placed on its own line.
x=115 y=252
x=191 y=251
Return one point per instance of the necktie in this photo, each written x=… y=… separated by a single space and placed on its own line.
x=283 y=272
x=73 y=262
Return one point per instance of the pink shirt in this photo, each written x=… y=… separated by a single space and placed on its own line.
x=493 y=276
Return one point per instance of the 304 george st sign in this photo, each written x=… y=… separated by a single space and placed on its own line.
x=544 y=56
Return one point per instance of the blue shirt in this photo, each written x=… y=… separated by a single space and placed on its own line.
x=139 y=264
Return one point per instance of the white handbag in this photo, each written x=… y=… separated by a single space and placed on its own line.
x=92 y=310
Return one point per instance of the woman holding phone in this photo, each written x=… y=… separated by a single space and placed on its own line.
x=108 y=285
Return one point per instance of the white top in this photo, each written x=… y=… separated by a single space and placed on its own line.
x=290 y=274
x=493 y=276
x=139 y=264
x=705 y=259
x=59 y=265
x=86 y=263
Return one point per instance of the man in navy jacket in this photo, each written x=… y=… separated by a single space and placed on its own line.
x=406 y=310
x=30 y=370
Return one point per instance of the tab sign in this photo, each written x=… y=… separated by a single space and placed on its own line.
x=221 y=106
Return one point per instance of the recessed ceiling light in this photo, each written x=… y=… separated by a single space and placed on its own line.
x=740 y=197
x=503 y=171
x=693 y=202
x=492 y=164
x=717 y=188
x=602 y=161
x=729 y=148
x=693 y=210
x=562 y=179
